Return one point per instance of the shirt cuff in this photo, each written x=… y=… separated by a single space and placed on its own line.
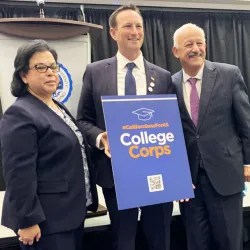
x=247 y=165
x=98 y=143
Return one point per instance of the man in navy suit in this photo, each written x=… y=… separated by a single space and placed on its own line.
x=126 y=73
x=215 y=115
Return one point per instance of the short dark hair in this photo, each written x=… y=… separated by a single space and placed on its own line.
x=112 y=18
x=21 y=64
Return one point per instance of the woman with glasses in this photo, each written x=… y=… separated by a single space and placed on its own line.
x=46 y=159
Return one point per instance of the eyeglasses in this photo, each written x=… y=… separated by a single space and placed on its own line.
x=42 y=68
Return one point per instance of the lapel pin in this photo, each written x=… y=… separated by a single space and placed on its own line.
x=150 y=89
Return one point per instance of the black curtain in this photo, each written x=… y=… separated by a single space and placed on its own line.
x=104 y=46
x=227 y=35
x=21 y=9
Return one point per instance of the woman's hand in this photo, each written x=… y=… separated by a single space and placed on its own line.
x=28 y=235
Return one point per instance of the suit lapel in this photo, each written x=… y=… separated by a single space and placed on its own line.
x=41 y=105
x=110 y=76
x=208 y=81
x=74 y=120
x=150 y=77
x=178 y=80
x=85 y=141
x=66 y=110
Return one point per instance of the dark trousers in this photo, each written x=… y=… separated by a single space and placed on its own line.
x=213 y=221
x=72 y=240
x=155 y=222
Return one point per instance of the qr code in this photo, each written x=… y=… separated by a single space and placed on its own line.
x=155 y=183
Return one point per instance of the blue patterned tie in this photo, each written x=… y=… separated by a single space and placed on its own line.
x=130 y=86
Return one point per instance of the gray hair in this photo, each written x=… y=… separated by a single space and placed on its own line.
x=179 y=31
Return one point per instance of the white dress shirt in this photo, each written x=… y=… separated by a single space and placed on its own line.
x=138 y=72
x=140 y=79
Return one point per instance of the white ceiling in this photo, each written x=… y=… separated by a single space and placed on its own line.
x=206 y=4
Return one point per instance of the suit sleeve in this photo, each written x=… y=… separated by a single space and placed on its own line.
x=19 y=154
x=86 y=114
x=170 y=89
x=241 y=109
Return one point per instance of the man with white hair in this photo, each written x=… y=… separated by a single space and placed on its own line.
x=215 y=110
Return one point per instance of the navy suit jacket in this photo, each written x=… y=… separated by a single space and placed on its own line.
x=43 y=169
x=222 y=137
x=100 y=79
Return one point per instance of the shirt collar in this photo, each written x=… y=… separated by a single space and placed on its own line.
x=122 y=61
x=198 y=75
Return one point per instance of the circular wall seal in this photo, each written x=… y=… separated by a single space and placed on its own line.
x=65 y=87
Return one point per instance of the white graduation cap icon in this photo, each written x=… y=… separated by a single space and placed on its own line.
x=144 y=114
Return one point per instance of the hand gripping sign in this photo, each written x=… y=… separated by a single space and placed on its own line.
x=149 y=158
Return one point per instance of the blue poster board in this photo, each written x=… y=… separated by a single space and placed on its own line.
x=148 y=152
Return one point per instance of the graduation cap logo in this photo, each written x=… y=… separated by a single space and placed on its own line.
x=144 y=114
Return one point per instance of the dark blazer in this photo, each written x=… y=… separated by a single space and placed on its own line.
x=100 y=79
x=222 y=138
x=43 y=169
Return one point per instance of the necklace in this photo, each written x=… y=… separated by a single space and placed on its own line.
x=58 y=110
